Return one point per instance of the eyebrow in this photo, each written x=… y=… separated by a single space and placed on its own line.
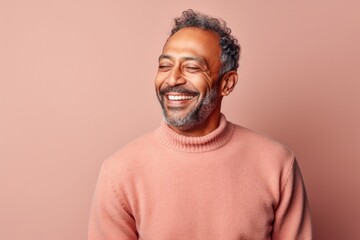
x=189 y=58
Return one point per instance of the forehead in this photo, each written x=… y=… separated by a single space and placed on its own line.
x=194 y=42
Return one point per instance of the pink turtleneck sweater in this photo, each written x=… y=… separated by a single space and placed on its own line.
x=231 y=184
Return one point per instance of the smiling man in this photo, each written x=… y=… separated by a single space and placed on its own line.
x=188 y=82
x=199 y=176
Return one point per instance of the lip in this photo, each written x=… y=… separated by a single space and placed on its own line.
x=179 y=99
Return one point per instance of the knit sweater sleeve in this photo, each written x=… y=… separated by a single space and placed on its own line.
x=292 y=217
x=109 y=217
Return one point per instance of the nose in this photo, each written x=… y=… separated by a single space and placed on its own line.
x=175 y=78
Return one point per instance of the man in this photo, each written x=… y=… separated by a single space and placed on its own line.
x=199 y=176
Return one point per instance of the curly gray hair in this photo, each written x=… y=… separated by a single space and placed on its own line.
x=230 y=48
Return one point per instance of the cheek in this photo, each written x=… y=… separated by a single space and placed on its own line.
x=201 y=81
x=159 y=80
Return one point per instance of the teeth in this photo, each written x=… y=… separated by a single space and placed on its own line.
x=179 y=98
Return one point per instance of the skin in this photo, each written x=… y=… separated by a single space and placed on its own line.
x=189 y=66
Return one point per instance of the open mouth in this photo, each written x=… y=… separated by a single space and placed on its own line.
x=179 y=97
x=179 y=100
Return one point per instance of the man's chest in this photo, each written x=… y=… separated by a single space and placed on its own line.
x=218 y=202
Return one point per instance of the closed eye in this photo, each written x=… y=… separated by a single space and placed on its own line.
x=164 y=67
x=192 y=69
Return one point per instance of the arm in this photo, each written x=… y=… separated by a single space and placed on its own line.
x=292 y=216
x=109 y=218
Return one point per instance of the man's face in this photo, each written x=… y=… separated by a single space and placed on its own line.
x=187 y=83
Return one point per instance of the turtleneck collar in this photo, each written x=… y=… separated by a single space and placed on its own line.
x=216 y=139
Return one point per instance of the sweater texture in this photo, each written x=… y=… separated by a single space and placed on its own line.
x=232 y=184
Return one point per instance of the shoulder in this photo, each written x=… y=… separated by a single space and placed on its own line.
x=267 y=158
x=262 y=147
x=129 y=157
x=259 y=141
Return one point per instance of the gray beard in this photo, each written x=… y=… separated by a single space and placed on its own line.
x=197 y=115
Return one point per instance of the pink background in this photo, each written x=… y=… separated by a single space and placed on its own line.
x=76 y=84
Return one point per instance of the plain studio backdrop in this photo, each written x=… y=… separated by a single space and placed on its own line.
x=76 y=84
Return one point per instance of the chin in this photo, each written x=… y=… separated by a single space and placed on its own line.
x=192 y=116
x=189 y=121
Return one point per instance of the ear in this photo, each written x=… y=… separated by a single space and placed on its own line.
x=228 y=83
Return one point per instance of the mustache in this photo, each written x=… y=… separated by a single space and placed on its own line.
x=177 y=89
